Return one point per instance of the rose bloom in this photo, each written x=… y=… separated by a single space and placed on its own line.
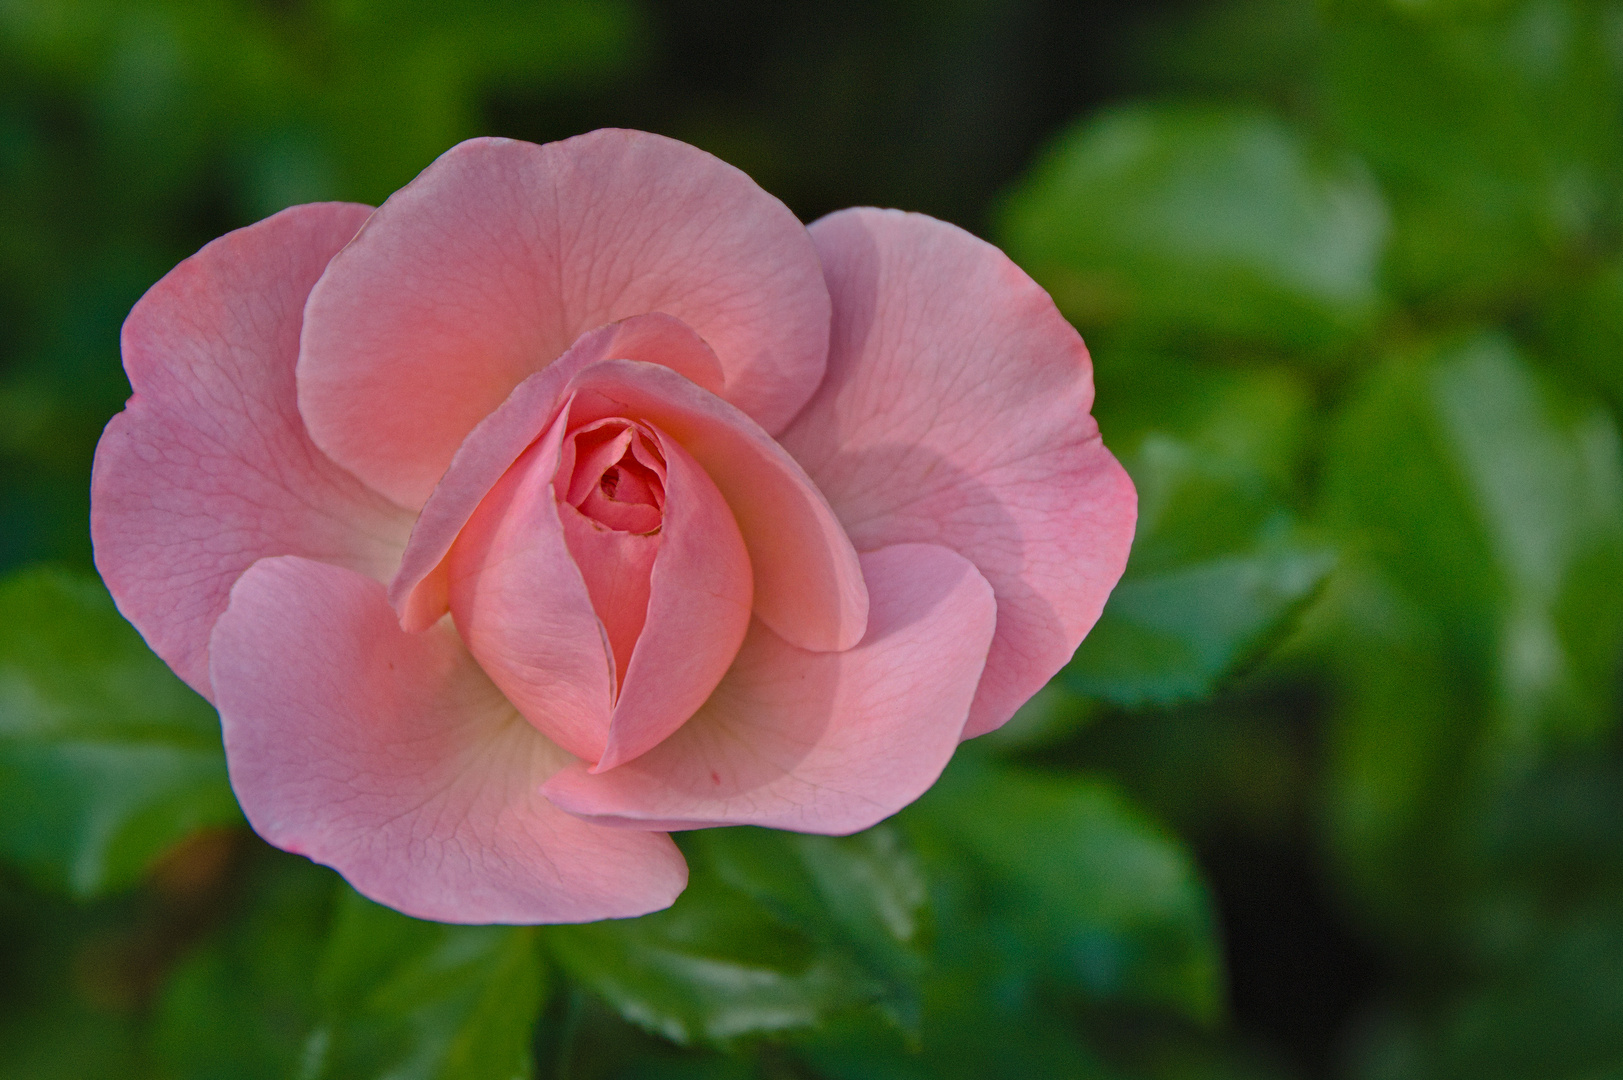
x=580 y=493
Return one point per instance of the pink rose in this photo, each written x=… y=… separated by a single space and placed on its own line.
x=736 y=521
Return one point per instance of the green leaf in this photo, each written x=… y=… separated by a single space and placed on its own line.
x=1493 y=505
x=1171 y=637
x=762 y=941
x=968 y=1035
x=106 y=758
x=863 y=896
x=1201 y=219
x=1079 y=887
x=243 y=1001
x=308 y=980
x=1582 y=331
x=1219 y=566
x=1478 y=623
x=1492 y=126
x=412 y=1000
x=62 y=1017
x=1556 y=1011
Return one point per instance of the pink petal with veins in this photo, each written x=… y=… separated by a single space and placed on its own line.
x=488 y=266
x=955 y=412
x=208 y=468
x=390 y=757
x=823 y=742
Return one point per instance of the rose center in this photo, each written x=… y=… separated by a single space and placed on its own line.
x=618 y=482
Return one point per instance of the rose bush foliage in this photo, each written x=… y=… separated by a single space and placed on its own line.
x=579 y=494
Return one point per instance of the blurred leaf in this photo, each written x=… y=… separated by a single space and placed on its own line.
x=309 y=980
x=862 y=895
x=1493 y=129
x=1171 y=637
x=968 y=1035
x=84 y=1046
x=1051 y=716
x=1088 y=891
x=412 y=1000
x=338 y=99
x=1239 y=48
x=1219 y=567
x=1205 y=219
x=1582 y=331
x=775 y=933
x=1556 y=1013
x=243 y=1003
x=1494 y=506
x=1481 y=616
x=106 y=758
x=1046 y=891
x=58 y=1015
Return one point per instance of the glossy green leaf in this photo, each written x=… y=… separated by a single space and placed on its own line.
x=1219 y=565
x=1213 y=220
x=775 y=933
x=1171 y=637
x=862 y=896
x=1078 y=886
x=106 y=758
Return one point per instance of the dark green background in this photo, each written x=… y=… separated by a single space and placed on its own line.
x=1333 y=790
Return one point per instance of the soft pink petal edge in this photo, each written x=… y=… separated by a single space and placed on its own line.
x=818 y=742
x=390 y=757
x=500 y=254
x=955 y=411
x=208 y=468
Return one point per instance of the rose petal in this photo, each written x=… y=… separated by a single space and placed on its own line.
x=208 y=468
x=390 y=757
x=818 y=742
x=955 y=412
x=489 y=264
x=697 y=614
x=808 y=584
x=419 y=589
x=617 y=568
x=524 y=610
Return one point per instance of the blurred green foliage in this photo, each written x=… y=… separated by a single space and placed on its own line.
x=1352 y=276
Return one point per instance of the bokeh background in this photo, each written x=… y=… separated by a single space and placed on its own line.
x=1333 y=791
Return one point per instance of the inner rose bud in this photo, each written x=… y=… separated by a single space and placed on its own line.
x=612 y=481
x=619 y=476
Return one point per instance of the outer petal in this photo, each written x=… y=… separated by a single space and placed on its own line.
x=418 y=590
x=955 y=412
x=524 y=609
x=818 y=742
x=808 y=584
x=390 y=757
x=208 y=468
x=489 y=264
x=698 y=612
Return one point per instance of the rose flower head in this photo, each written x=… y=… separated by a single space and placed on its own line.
x=578 y=494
